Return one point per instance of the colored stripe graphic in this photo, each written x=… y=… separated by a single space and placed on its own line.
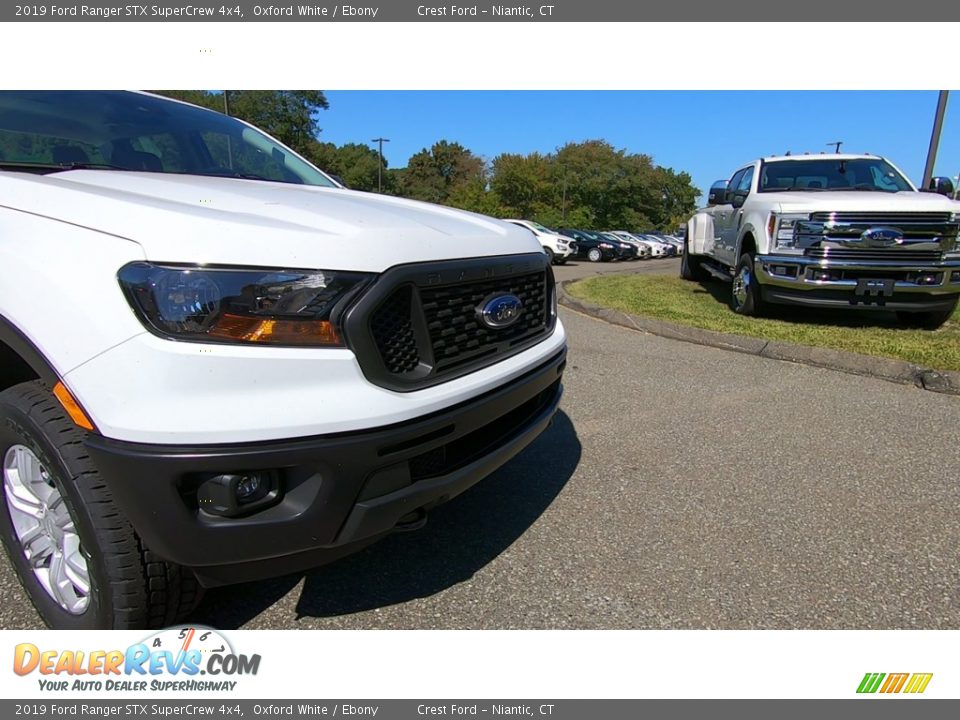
x=870 y=682
x=918 y=683
x=894 y=682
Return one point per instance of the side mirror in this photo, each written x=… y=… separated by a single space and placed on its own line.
x=941 y=186
x=718 y=193
x=738 y=200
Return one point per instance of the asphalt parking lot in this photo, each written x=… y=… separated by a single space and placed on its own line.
x=680 y=487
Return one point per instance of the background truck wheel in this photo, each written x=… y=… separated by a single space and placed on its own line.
x=79 y=560
x=927 y=320
x=690 y=268
x=744 y=290
x=561 y=260
x=550 y=254
x=594 y=255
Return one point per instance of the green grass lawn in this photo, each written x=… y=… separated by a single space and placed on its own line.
x=704 y=305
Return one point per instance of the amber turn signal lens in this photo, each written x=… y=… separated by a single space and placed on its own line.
x=274 y=331
x=71 y=406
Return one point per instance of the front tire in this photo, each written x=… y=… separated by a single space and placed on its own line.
x=744 y=290
x=77 y=557
x=690 y=267
x=931 y=320
x=551 y=256
x=594 y=255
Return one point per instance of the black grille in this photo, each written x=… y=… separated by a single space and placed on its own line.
x=456 y=333
x=418 y=325
x=883 y=218
x=875 y=254
x=393 y=329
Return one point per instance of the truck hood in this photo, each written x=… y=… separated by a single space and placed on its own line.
x=859 y=201
x=195 y=219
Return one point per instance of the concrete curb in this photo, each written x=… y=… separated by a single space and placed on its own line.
x=898 y=371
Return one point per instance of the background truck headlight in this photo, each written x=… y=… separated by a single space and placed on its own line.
x=780 y=228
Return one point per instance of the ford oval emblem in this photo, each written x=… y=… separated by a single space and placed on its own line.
x=500 y=311
x=881 y=237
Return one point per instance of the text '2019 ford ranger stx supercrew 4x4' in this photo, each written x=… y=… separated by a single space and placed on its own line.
x=219 y=365
x=846 y=231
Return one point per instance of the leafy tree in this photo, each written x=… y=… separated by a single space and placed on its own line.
x=433 y=174
x=475 y=196
x=288 y=115
x=591 y=185
x=522 y=183
x=355 y=164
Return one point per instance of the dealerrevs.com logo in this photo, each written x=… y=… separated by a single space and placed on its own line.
x=910 y=683
x=182 y=653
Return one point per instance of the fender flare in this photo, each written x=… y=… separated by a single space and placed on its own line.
x=748 y=228
x=697 y=230
x=13 y=338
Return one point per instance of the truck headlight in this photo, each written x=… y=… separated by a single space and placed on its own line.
x=781 y=227
x=239 y=305
x=954 y=253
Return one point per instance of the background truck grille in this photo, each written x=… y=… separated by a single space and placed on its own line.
x=875 y=254
x=883 y=218
x=936 y=230
x=419 y=324
x=456 y=333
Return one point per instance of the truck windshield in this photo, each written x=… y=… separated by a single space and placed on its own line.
x=872 y=174
x=52 y=131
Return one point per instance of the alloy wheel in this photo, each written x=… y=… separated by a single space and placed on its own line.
x=45 y=530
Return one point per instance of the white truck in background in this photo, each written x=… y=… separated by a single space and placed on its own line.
x=838 y=231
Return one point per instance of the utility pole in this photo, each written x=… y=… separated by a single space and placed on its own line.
x=226 y=102
x=380 y=141
x=935 y=138
x=836 y=146
x=563 y=202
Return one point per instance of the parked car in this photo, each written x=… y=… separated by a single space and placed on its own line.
x=626 y=251
x=673 y=246
x=557 y=247
x=643 y=249
x=592 y=246
x=669 y=248
x=676 y=242
x=190 y=397
x=843 y=231
x=650 y=246
x=659 y=249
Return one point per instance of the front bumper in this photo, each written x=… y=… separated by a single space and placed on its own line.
x=339 y=492
x=799 y=280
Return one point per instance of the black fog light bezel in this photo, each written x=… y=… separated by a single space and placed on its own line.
x=217 y=493
x=784 y=270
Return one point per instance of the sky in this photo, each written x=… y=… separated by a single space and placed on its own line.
x=708 y=134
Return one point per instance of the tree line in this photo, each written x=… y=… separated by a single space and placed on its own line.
x=591 y=184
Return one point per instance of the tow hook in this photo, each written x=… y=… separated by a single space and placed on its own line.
x=411 y=521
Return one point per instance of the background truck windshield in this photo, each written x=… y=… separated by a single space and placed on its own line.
x=831 y=174
x=60 y=130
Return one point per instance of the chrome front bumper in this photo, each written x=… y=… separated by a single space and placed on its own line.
x=803 y=273
x=815 y=282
